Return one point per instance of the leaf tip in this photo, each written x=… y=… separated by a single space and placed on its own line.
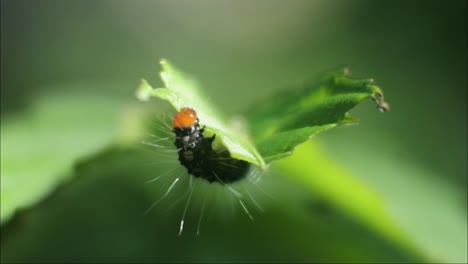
x=143 y=92
x=383 y=107
x=378 y=98
x=165 y=73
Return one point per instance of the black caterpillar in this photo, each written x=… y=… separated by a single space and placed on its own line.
x=197 y=154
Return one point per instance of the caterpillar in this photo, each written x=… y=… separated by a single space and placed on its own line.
x=201 y=159
x=196 y=153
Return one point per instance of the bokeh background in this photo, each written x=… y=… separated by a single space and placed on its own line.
x=414 y=157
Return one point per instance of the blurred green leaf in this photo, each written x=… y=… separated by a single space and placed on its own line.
x=289 y=118
x=422 y=203
x=39 y=146
x=336 y=185
x=110 y=216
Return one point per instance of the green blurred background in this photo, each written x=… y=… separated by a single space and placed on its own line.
x=414 y=157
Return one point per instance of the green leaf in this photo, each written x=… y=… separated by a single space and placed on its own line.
x=182 y=92
x=39 y=146
x=281 y=144
x=277 y=124
x=289 y=118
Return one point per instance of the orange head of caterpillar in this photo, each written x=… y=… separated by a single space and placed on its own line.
x=187 y=130
x=186 y=117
